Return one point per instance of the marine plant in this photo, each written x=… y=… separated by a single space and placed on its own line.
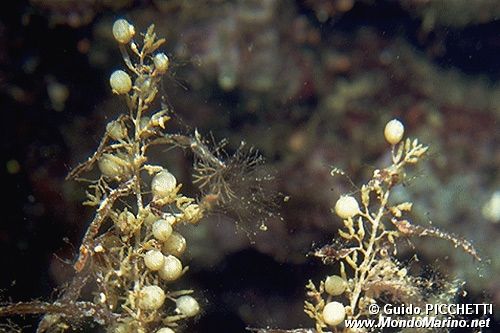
x=374 y=224
x=367 y=246
x=131 y=253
